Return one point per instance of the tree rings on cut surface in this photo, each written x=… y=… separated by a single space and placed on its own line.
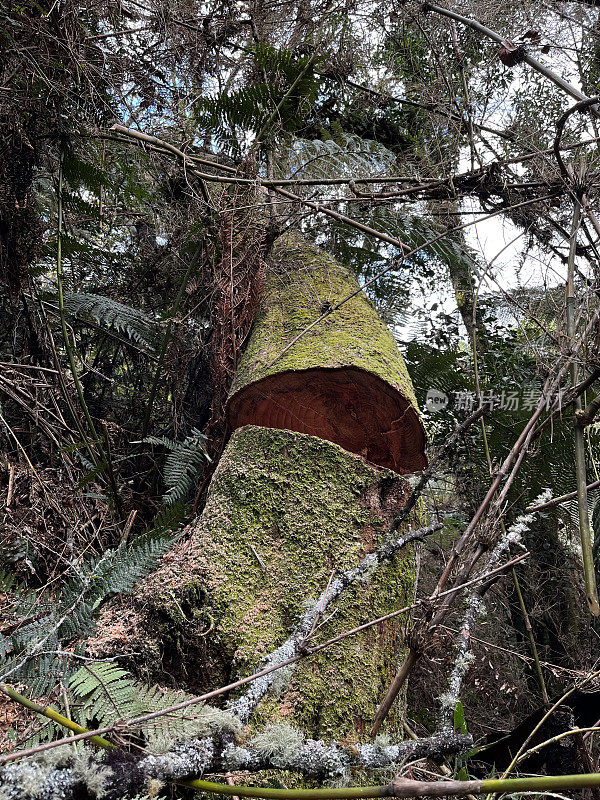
x=348 y=406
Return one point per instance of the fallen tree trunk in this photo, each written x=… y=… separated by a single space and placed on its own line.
x=343 y=380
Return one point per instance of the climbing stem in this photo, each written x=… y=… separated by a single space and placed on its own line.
x=528 y=628
x=543 y=783
x=101 y=460
x=347 y=793
x=60 y=372
x=400 y=787
x=532 y=644
x=585 y=529
x=111 y=473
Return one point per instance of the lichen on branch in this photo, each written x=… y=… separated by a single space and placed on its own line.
x=116 y=777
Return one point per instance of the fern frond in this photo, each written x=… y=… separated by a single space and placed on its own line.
x=18 y=599
x=272 y=60
x=245 y=108
x=248 y=107
x=103 y=692
x=81 y=174
x=41 y=730
x=110 y=314
x=41 y=672
x=106 y=690
x=116 y=572
x=37 y=647
x=168 y=519
x=344 y=156
x=182 y=464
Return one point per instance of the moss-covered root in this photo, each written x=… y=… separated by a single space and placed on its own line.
x=286 y=510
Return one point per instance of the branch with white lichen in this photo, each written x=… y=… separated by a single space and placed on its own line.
x=474 y=605
x=85 y=776
x=277 y=747
x=138 y=722
x=115 y=775
x=245 y=705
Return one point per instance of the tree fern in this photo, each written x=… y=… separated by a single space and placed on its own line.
x=249 y=107
x=182 y=464
x=111 y=314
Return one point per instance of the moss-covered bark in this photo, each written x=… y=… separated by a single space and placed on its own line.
x=284 y=511
x=302 y=281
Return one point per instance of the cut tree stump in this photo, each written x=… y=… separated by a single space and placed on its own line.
x=308 y=484
x=286 y=510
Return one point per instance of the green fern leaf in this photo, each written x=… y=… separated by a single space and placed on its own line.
x=37 y=647
x=345 y=156
x=248 y=107
x=182 y=464
x=141 y=328
x=103 y=692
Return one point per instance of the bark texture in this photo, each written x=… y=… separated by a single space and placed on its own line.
x=286 y=511
x=298 y=498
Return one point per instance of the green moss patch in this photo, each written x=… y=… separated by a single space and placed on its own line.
x=303 y=281
x=285 y=511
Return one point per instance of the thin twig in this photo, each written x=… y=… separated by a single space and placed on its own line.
x=496 y=37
